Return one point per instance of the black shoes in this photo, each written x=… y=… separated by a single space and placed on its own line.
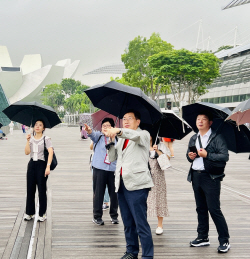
x=114 y=221
x=200 y=242
x=223 y=248
x=98 y=221
x=129 y=256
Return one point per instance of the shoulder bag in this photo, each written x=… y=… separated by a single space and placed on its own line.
x=46 y=155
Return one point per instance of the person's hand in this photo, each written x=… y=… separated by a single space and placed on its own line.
x=202 y=152
x=87 y=128
x=155 y=147
x=192 y=155
x=28 y=136
x=47 y=171
x=111 y=132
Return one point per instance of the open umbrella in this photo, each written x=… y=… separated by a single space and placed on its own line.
x=241 y=114
x=85 y=118
x=170 y=126
x=28 y=113
x=237 y=141
x=1 y=125
x=117 y=99
x=98 y=116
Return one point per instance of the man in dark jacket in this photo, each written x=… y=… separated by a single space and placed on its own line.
x=206 y=172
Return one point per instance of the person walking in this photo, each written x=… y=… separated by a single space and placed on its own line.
x=208 y=153
x=11 y=125
x=133 y=182
x=103 y=173
x=169 y=144
x=38 y=170
x=23 y=128
x=157 y=198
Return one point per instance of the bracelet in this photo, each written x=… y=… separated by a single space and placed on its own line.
x=119 y=133
x=48 y=164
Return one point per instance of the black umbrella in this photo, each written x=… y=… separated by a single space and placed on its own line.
x=28 y=113
x=170 y=126
x=237 y=140
x=1 y=125
x=117 y=99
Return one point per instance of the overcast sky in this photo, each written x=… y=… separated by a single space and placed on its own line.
x=98 y=31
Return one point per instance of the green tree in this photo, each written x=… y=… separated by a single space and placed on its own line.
x=53 y=96
x=139 y=73
x=70 y=85
x=77 y=103
x=223 y=47
x=185 y=72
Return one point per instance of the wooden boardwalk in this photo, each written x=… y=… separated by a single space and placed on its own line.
x=69 y=231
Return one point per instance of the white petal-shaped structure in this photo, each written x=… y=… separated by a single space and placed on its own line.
x=27 y=81
x=31 y=63
x=70 y=70
x=5 y=60
x=11 y=79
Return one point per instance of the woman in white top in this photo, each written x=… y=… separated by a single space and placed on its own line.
x=38 y=170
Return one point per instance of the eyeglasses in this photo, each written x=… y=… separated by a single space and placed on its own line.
x=128 y=119
x=106 y=126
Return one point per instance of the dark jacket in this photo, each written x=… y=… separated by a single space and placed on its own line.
x=217 y=155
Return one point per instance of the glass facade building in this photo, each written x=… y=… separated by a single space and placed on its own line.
x=4 y=103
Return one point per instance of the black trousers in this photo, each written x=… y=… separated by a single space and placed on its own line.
x=207 y=197
x=35 y=177
x=101 y=178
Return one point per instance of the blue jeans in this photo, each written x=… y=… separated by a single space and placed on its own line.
x=133 y=207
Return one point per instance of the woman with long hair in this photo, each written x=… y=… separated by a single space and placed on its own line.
x=38 y=170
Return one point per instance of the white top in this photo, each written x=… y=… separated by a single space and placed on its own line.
x=198 y=163
x=11 y=125
x=37 y=147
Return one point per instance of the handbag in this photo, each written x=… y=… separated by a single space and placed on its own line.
x=163 y=162
x=46 y=155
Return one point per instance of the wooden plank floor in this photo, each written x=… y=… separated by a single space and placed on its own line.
x=69 y=231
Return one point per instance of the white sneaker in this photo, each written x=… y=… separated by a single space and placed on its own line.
x=159 y=231
x=41 y=219
x=28 y=217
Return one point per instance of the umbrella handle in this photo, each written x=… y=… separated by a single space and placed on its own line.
x=158 y=132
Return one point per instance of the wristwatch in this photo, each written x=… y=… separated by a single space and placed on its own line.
x=119 y=133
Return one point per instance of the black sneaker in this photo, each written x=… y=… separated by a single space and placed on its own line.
x=129 y=256
x=98 y=221
x=223 y=248
x=114 y=221
x=200 y=242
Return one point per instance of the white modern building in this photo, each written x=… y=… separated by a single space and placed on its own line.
x=26 y=82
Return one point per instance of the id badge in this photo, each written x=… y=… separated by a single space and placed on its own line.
x=106 y=160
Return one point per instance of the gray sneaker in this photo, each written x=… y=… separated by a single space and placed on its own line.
x=42 y=219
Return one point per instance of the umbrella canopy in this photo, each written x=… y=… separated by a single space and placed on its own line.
x=28 y=113
x=1 y=125
x=117 y=99
x=98 y=116
x=241 y=114
x=237 y=140
x=85 y=118
x=170 y=126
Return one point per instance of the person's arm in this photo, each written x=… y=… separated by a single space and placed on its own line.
x=140 y=137
x=27 y=146
x=50 y=157
x=222 y=154
x=91 y=146
x=94 y=135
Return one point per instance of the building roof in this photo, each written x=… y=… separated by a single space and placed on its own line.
x=234 y=51
x=235 y=3
x=118 y=69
